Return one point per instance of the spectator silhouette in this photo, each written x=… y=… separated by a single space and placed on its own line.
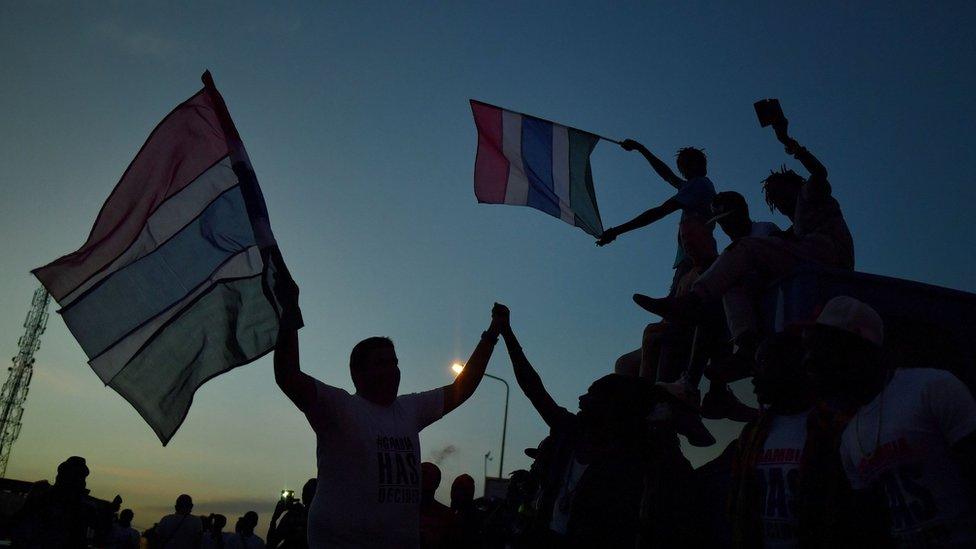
x=695 y=192
x=467 y=522
x=731 y=212
x=592 y=486
x=244 y=536
x=180 y=529
x=788 y=486
x=62 y=515
x=437 y=521
x=289 y=523
x=123 y=535
x=819 y=235
x=216 y=538
x=913 y=432
x=368 y=492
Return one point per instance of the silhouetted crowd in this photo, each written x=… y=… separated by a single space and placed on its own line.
x=844 y=450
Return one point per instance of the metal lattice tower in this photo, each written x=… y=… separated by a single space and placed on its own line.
x=14 y=392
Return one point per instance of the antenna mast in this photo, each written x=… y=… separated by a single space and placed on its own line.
x=14 y=392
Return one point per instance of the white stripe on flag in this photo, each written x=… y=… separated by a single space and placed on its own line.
x=168 y=219
x=560 y=172
x=517 y=190
x=106 y=365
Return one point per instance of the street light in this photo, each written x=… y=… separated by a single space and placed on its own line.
x=457 y=368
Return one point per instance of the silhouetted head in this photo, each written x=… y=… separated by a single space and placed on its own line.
x=843 y=351
x=615 y=405
x=308 y=491
x=375 y=370
x=218 y=522
x=731 y=212
x=184 y=504
x=697 y=240
x=72 y=473
x=692 y=162
x=430 y=479
x=781 y=381
x=782 y=188
x=246 y=524
x=125 y=517
x=462 y=492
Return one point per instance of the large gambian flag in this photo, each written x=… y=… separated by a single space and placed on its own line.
x=528 y=161
x=174 y=284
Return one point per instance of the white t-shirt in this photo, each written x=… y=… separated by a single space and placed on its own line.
x=564 y=502
x=778 y=472
x=368 y=455
x=179 y=531
x=925 y=412
x=763 y=228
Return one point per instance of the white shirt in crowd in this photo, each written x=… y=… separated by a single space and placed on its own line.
x=778 y=472
x=902 y=441
x=564 y=501
x=368 y=457
x=763 y=228
x=177 y=531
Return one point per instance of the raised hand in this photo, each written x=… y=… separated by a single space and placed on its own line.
x=500 y=318
x=607 y=237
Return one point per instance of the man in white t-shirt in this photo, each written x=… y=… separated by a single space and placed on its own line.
x=913 y=435
x=368 y=448
x=770 y=449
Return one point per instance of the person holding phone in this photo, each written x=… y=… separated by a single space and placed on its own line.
x=818 y=235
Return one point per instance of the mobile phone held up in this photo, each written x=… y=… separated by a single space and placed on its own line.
x=768 y=111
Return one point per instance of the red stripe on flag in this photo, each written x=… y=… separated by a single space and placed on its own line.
x=187 y=142
x=490 y=165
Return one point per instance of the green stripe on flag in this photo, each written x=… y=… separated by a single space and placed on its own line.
x=582 y=198
x=230 y=325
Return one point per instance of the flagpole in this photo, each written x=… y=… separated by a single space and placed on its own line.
x=546 y=120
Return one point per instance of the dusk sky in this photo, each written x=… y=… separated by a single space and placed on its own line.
x=356 y=119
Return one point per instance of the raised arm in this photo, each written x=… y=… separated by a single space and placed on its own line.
x=656 y=163
x=529 y=381
x=650 y=216
x=297 y=385
x=474 y=369
x=818 y=172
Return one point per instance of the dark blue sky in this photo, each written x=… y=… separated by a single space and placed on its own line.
x=356 y=118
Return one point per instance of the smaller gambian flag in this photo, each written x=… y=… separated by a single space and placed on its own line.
x=527 y=161
x=175 y=283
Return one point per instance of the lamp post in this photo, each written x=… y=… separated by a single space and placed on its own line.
x=457 y=368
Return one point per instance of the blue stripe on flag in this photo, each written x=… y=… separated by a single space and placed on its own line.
x=155 y=282
x=537 y=160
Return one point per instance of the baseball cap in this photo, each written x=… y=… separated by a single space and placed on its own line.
x=725 y=204
x=853 y=316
